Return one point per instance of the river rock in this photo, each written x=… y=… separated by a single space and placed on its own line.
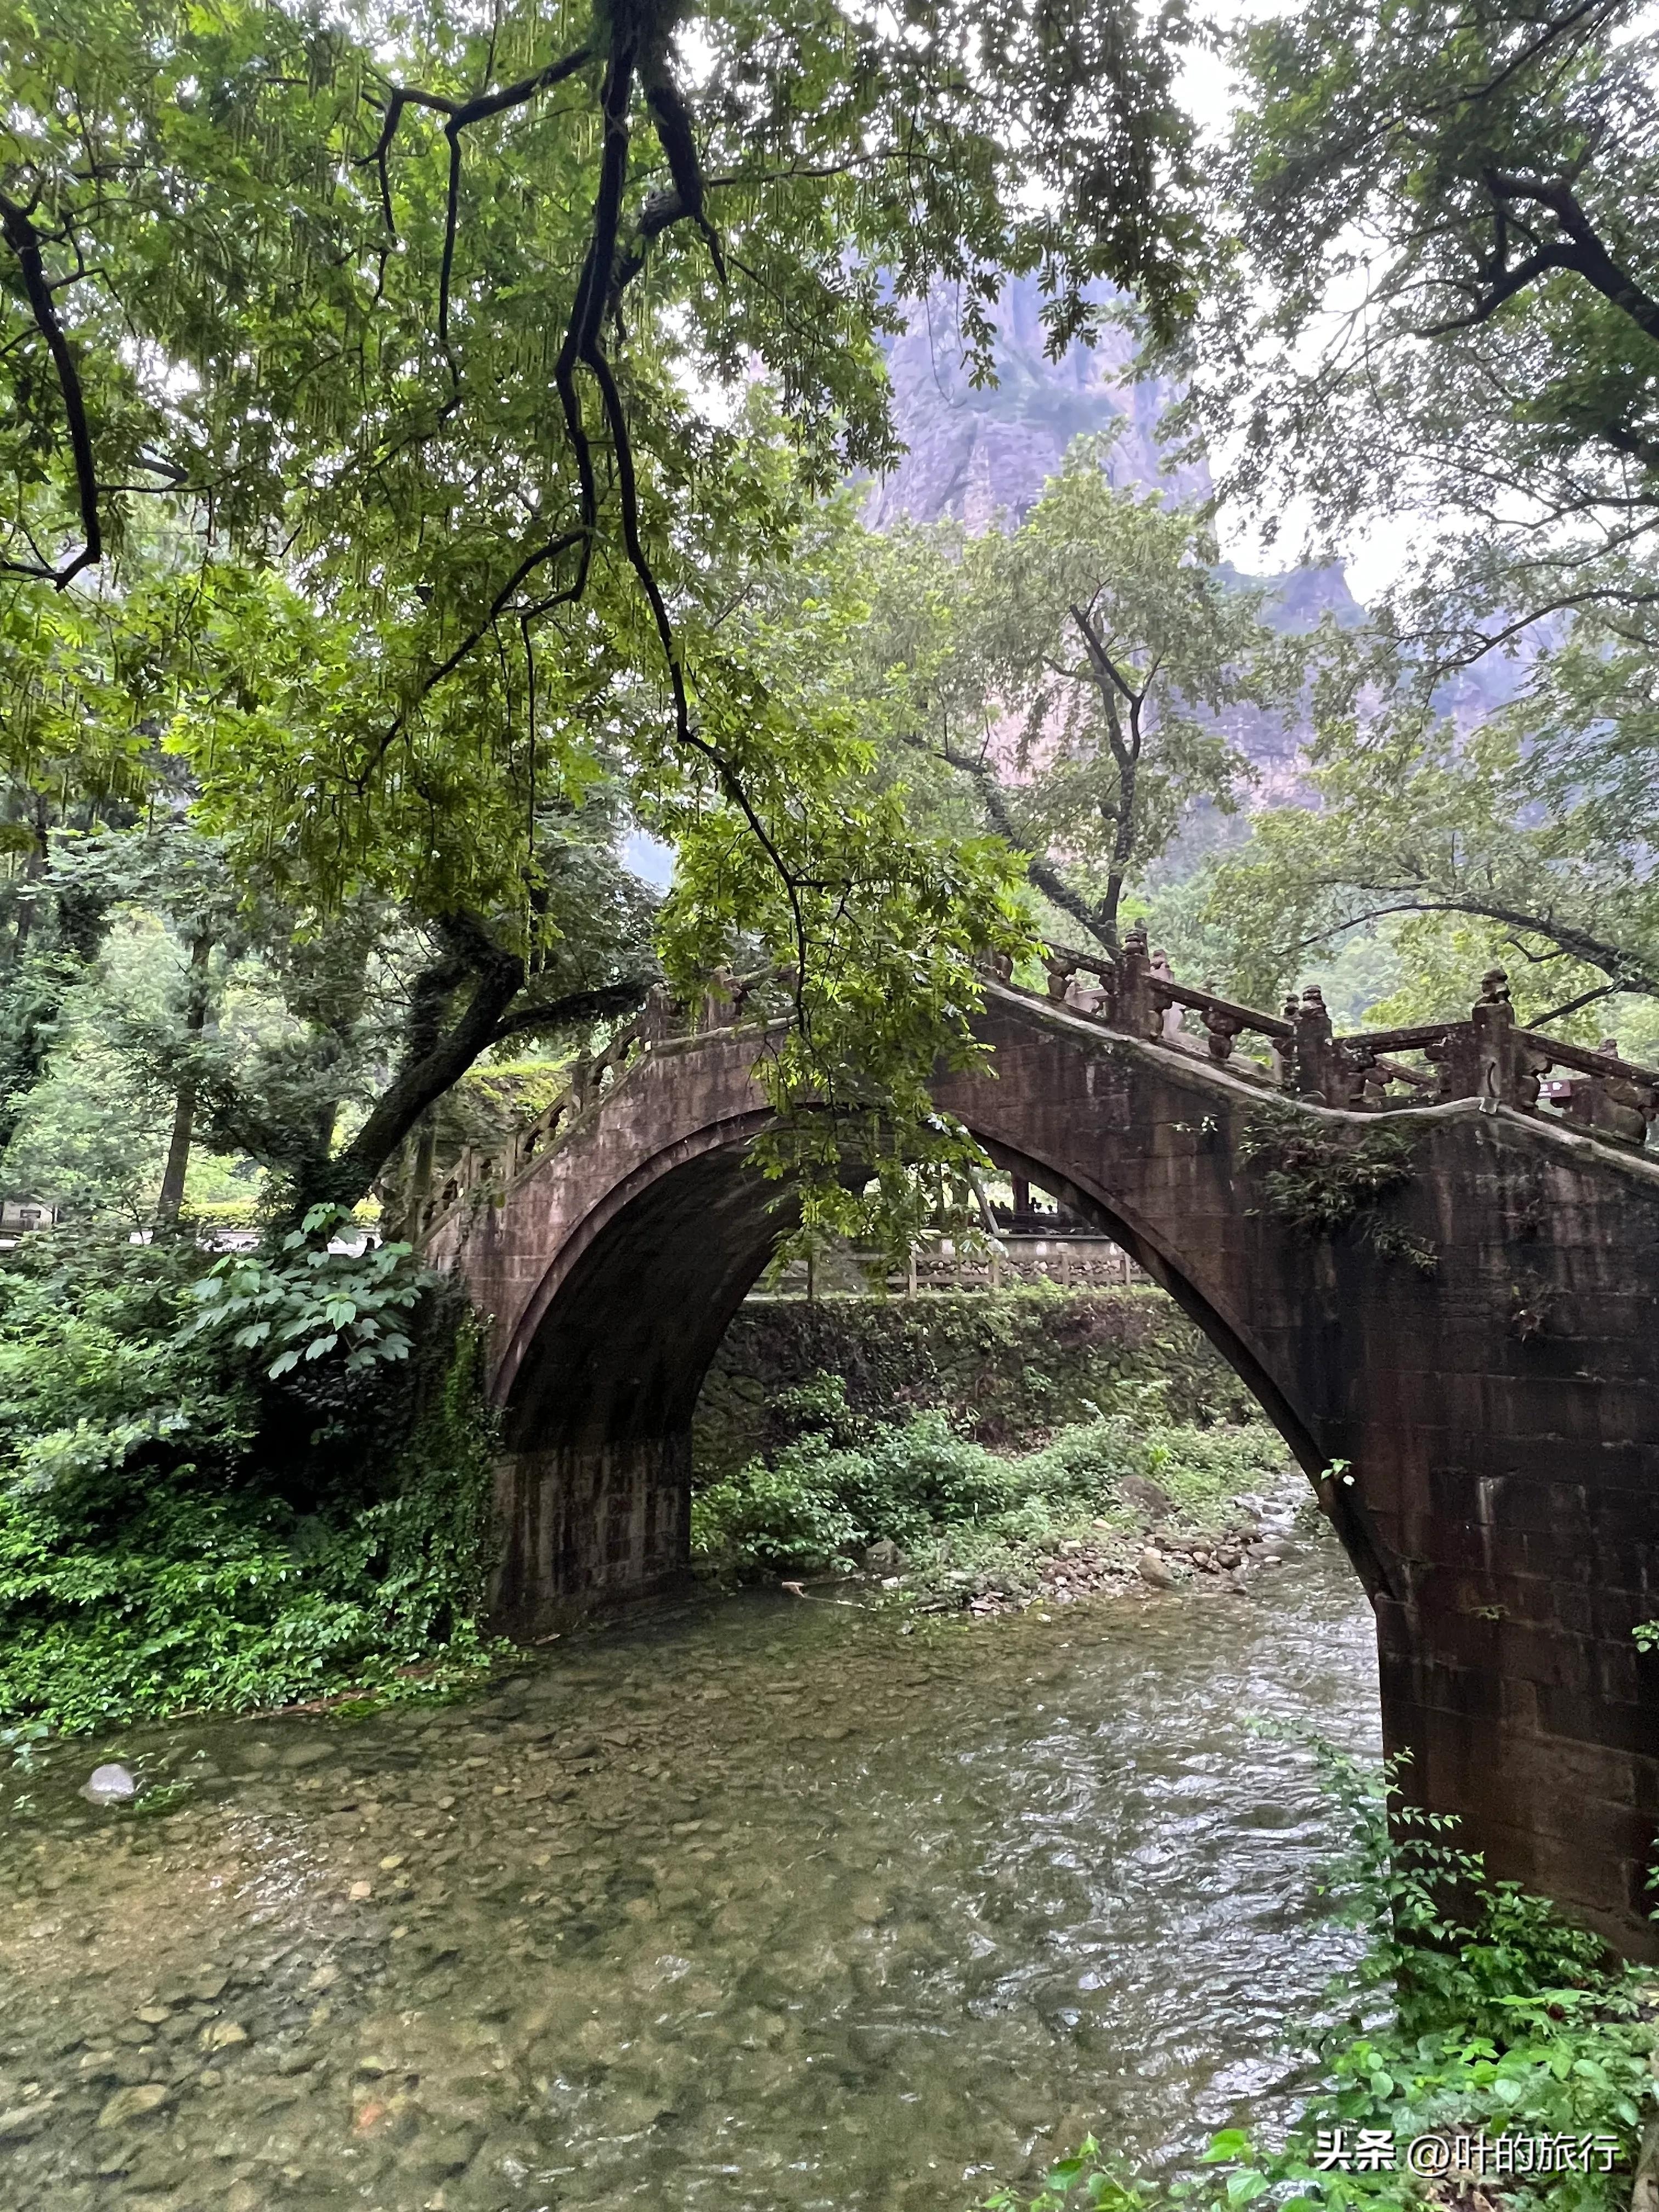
x=885 y=1557
x=110 y=1786
x=1154 y=1570
x=306 y=1754
x=440 y=2152
x=1145 y=1497
x=132 y=2104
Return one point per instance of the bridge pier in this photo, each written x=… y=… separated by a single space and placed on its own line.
x=1467 y=1367
x=581 y=1525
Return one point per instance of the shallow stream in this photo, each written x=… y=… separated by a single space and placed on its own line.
x=740 y=1907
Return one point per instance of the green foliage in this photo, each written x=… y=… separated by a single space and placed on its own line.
x=1065 y=682
x=387 y=476
x=92 y=1360
x=151 y=1561
x=1519 y=844
x=303 y=320
x=884 y=946
x=52 y=938
x=1441 y=281
x=313 y=1301
x=1081 y=2183
x=1008 y=1366
x=1474 y=2006
x=90 y=1122
x=1440 y=314
x=849 y=1481
x=1320 y=1184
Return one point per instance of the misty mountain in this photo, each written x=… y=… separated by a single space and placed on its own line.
x=981 y=454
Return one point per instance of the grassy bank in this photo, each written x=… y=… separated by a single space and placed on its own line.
x=1124 y=1497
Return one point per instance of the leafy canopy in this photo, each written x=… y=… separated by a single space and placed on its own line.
x=1440 y=307
x=353 y=418
x=1443 y=295
x=1071 y=676
x=1525 y=840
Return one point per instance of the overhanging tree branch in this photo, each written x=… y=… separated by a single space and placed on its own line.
x=1573 y=1005
x=1587 y=257
x=20 y=233
x=1040 y=871
x=1626 y=974
x=438 y=1056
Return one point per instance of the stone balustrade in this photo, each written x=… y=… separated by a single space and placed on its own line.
x=1489 y=1056
x=480 y=1172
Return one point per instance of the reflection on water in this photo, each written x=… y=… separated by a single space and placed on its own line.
x=754 y=1904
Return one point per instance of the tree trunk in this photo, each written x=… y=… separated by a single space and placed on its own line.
x=437 y=1065
x=184 y=1113
x=1112 y=686
x=1124 y=846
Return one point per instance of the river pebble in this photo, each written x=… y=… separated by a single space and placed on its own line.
x=110 y=1786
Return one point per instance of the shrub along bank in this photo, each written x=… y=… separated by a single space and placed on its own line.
x=178 y=1529
x=1007 y=1366
x=1127 y=1495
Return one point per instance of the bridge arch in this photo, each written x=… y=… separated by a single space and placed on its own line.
x=1499 y=1412
x=1099 y=1206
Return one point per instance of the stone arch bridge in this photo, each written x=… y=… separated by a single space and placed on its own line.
x=1475 y=1350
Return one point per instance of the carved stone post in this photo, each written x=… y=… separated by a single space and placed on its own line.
x=656 y=1014
x=1491 y=1022
x=582 y=1083
x=1282 y=1065
x=1133 y=992
x=1169 y=1016
x=1455 y=1059
x=1313 y=1057
x=719 y=1004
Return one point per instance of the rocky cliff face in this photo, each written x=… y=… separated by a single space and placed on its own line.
x=981 y=455
x=974 y=454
